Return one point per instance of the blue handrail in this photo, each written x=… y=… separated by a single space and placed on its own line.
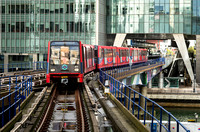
x=20 y=91
x=118 y=89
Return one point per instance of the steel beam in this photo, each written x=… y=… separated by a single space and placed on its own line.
x=180 y=40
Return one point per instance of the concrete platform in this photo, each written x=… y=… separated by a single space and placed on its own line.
x=121 y=118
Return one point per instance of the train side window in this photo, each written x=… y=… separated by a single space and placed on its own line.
x=55 y=55
x=120 y=55
x=105 y=56
x=114 y=55
x=127 y=55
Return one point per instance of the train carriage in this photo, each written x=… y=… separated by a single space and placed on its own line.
x=124 y=55
x=107 y=56
x=88 y=58
x=69 y=61
x=65 y=61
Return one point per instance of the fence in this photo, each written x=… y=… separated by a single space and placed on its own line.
x=124 y=70
x=127 y=96
x=39 y=65
x=14 y=90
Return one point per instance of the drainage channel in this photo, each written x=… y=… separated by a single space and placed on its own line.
x=65 y=112
x=64 y=116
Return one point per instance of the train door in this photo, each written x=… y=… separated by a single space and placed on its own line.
x=132 y=53
x=138 y=54
x=85 y=53
x=127 y=54
x=92 y=51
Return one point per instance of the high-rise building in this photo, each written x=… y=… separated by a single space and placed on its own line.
x=28 y=25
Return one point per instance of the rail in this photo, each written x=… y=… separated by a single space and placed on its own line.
x=39 y=65
x=127 y=96
x=15 y=93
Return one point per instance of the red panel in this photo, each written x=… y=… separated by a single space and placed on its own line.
x=47 y=78
x=48 y=51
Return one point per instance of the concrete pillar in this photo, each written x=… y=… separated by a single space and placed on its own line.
x=150 y=84
x=161 y=80
x=6 y=63
x=35 y=59
x=100 y=27
x=180 y=41
x=143 y=91
x=127 y=100
x=198 y=59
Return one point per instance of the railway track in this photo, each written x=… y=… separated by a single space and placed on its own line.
x=65 y=112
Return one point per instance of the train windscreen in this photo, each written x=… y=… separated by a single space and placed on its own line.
x=64 y=54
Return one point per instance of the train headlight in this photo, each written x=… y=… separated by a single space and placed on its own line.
x=76 y=68
x=53 y=70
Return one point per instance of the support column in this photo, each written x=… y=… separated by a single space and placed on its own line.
x=35 y=59
x=100 y=32
x=6 y=63
x=180 y=41
x=197 y=59
x=150 y=84
x=127 y=100
x=161 y=80
x=119 y=39
x=143 y=91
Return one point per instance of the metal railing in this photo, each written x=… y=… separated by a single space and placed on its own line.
x=14 y=90
x=39 y=65
x=127 y=96
x=125 y=70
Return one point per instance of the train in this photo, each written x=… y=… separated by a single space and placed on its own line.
x=69 y=61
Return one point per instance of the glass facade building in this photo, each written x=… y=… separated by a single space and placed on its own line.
x=153 y=16
x=28 y=25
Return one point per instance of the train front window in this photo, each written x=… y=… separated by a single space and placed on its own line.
x=64 y=55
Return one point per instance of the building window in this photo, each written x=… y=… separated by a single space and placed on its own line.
x=17 y=9
x=17 y=26
x=70 y=8
x=56 y=27
x=27 y=9
x=32 y=28
x=93 y=8
x=51 y=26
x=12 y=28
x=3 y=10
x=41 y=27
x=3 y=27
x=11 y=8
x=22 y=9
x=87 y=8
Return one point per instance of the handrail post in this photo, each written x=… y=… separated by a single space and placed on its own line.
x=152 y=117
x=145 y=108
x=160 y=119
x=139 y=106
x=2 y=118
x=169 y=121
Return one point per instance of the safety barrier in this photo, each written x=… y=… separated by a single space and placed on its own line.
x=124 y=70
x=127 y=96
x=14 y=90
x=39 y=65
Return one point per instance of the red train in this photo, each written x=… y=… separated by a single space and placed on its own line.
x=68 y=61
